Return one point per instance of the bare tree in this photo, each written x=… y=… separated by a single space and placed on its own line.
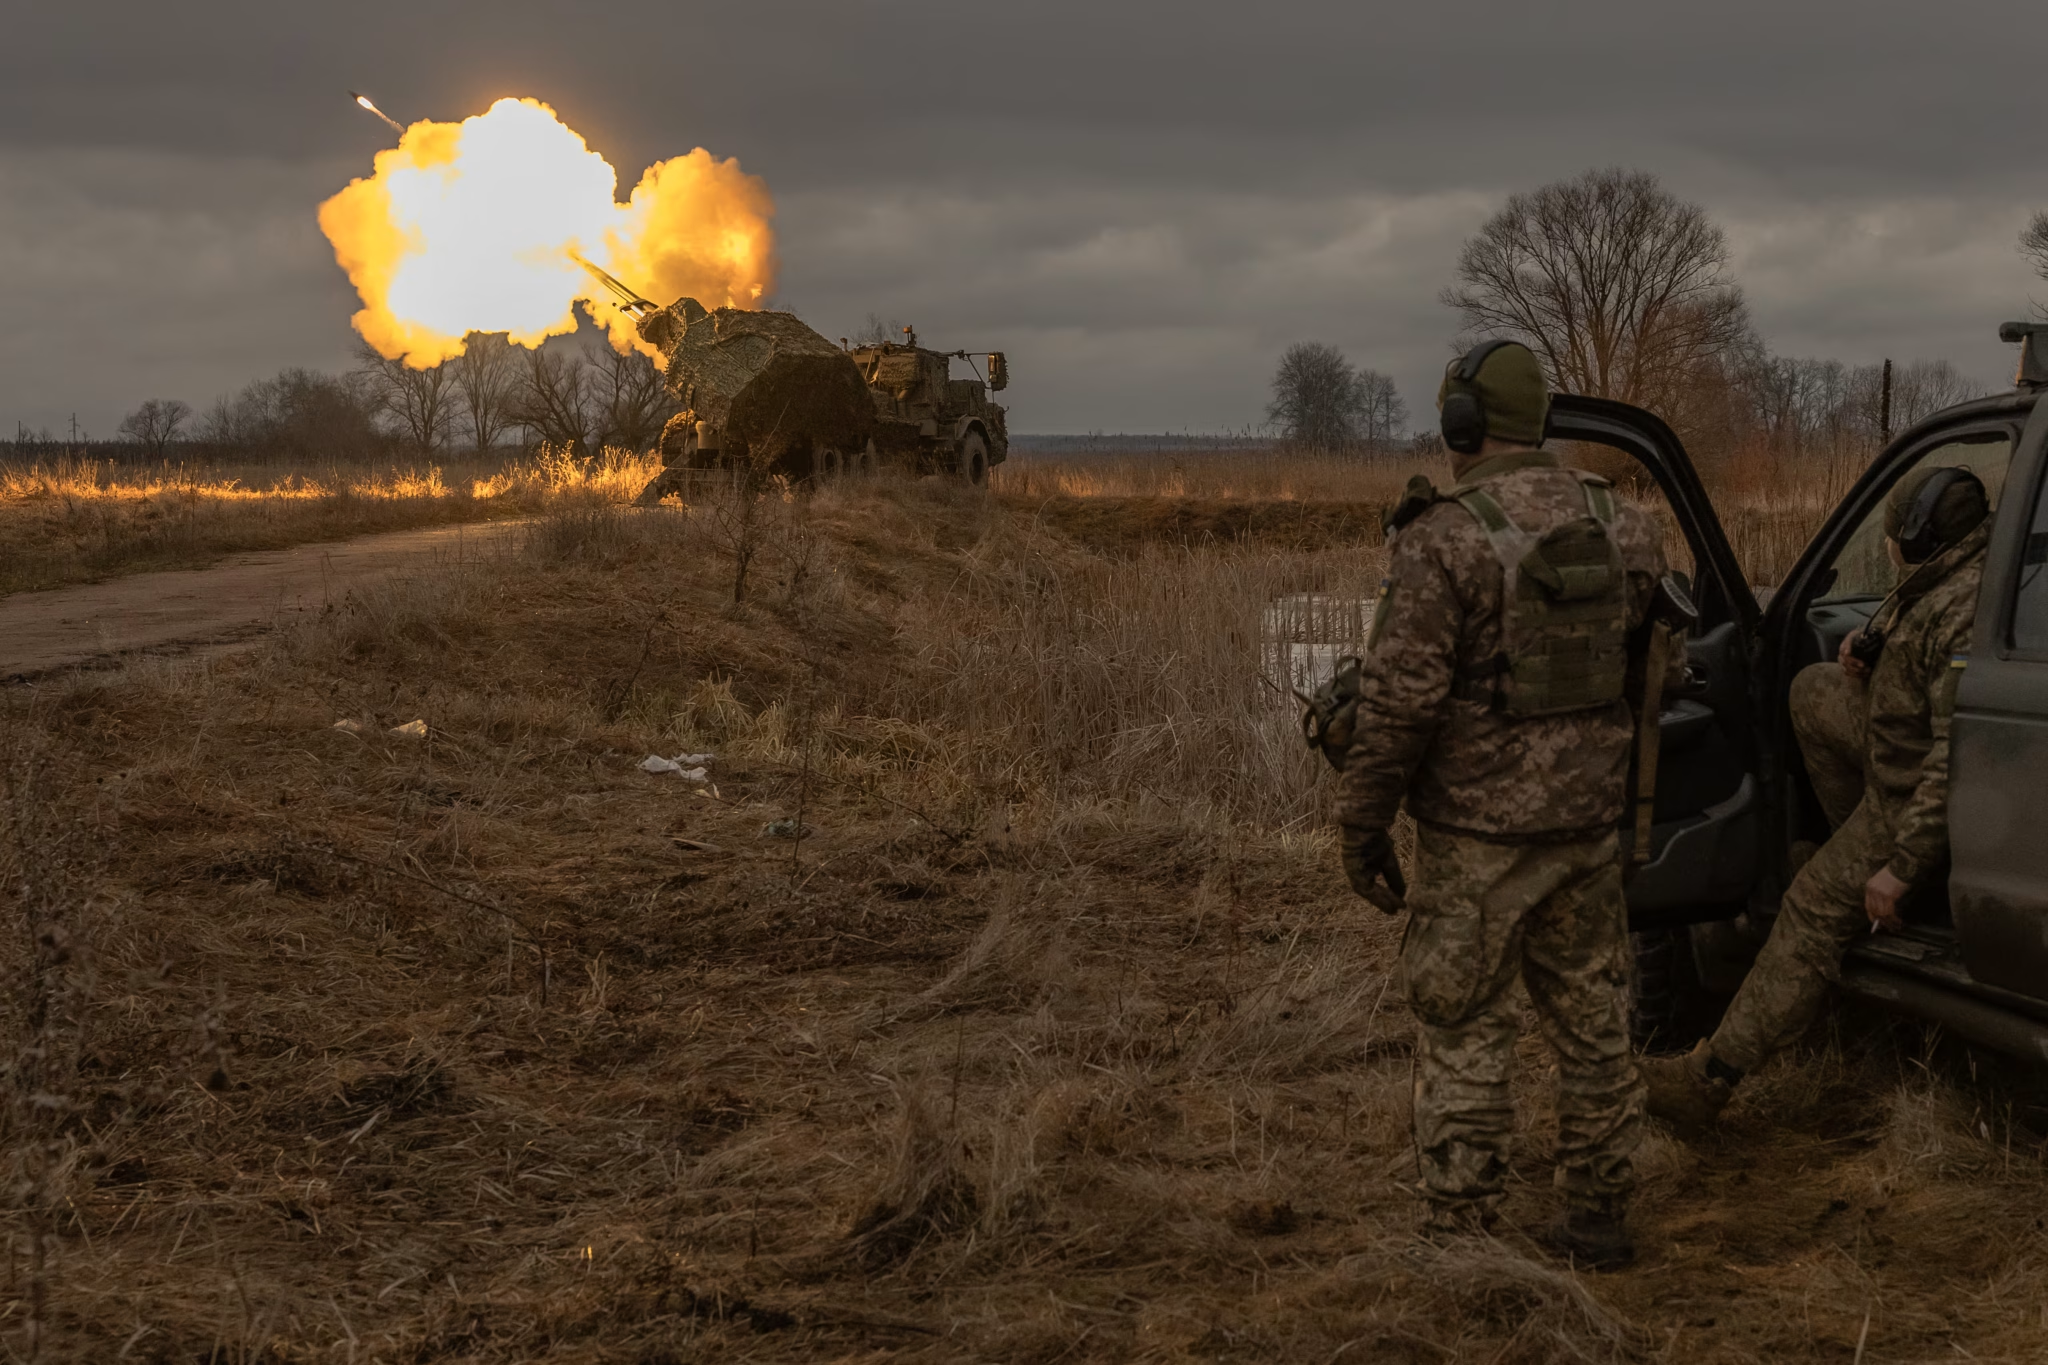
x=1822 y=407
x=1316 y=397
x=298 y=415
x=487 y=376
x=628 y=403
x=1923 y=387
x=1620 y=286
x=2034 y=242
x=156 y=423
x=1795 y=404
x=552 y=399
x=420 y=402
x=1382 y=412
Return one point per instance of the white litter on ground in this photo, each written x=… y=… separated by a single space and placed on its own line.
x=412 y=729
x=689 y=767
x=349 y=727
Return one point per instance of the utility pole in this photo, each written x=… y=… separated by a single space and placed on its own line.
x=1884 y=406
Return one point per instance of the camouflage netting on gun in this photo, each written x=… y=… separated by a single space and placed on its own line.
x=772 y=384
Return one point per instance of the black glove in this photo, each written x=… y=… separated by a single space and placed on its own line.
x=1368 y=860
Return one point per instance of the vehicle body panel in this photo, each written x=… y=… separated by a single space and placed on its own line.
x=1999 y=770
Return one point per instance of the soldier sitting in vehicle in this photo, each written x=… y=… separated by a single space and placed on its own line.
x=1492 y=697
x=1873 y=729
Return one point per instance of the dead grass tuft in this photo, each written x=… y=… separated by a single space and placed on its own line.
x=925 y=1193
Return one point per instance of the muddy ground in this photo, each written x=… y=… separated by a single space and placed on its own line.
x=177 y=611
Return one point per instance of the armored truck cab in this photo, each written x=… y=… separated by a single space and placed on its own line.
x=926 y=420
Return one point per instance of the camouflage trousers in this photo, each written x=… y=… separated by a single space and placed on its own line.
x=1822 y=911
x=1830 y=716
x=1481 y=915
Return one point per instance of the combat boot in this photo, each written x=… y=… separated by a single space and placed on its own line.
x=1688 y=1092
x=1593 y=1236
x=1446 y=1223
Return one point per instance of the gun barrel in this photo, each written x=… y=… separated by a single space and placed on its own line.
x=629 y=300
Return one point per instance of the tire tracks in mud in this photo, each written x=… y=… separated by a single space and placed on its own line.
x=186 y=611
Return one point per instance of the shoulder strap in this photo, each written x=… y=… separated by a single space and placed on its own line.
x=1488 y=512
x=1599 y=496
x=1509 y=541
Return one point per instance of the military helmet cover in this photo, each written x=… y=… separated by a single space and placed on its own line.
x=1509 y=386
x=1961 y=508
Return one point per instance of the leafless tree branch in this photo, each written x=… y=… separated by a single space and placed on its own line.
x=1619 y=286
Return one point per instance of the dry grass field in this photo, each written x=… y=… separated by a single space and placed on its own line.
x=1054 y=1037
x=75 y=521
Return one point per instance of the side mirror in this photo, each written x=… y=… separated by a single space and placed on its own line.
x=998 y=372
x=2033 y=341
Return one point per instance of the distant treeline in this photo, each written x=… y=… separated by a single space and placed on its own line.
x=1106 y=443
x=574 y=394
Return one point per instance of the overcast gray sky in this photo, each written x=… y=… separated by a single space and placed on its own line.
x=1143 y=204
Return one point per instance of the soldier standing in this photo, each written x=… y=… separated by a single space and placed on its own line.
x=1875 y=740
x=1493 y=697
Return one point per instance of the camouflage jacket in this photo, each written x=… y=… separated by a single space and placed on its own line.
x=1913 y=698
x=1462 y=764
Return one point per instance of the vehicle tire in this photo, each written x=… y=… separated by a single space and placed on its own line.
x=861 y=464
x=827 y=464
x=973 y=465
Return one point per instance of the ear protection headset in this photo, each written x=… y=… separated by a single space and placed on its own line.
x=1917 y=532
x=1463 y=421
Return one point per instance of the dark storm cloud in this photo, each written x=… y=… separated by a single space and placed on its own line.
x=1143 y=203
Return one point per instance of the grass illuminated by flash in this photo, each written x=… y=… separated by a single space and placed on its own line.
x=74 y=521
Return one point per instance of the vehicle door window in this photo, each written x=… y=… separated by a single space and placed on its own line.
x=1863 y=569
x=2030 y=600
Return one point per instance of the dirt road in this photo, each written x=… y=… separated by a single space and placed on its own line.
x=185 y=609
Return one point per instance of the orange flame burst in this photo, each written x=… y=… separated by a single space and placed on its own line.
x=476 y=226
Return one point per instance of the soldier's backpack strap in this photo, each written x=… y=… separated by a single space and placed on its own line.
x=1599 y=496
x=1481 y=683
x=1509 y=541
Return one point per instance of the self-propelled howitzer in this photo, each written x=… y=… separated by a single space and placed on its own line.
x=760 y=390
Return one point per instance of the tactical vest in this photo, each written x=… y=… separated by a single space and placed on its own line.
x=1564 y=609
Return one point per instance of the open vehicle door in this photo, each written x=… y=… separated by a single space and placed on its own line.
x=1732 y=793
x=1733 y=797
x=1713 y=775
x=1845 y=573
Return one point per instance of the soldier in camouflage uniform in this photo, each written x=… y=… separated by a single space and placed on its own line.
x=1875 y=742
x=1517 y=870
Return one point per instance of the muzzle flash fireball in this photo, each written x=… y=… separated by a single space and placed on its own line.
x=505 y=221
